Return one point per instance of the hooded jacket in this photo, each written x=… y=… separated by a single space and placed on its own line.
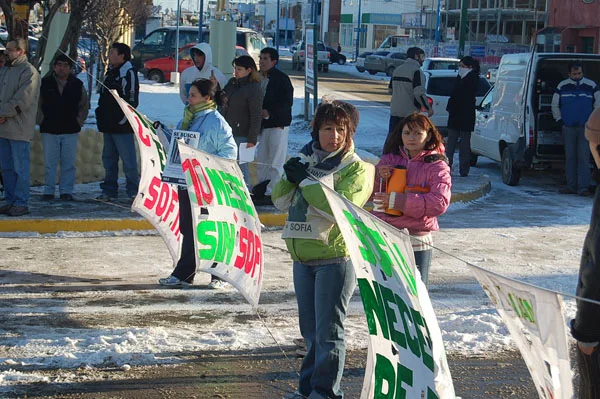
x=19 y=94
x=428 y=169
x=215 y=134
x=192 y=73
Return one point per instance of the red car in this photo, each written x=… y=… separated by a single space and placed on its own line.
x=159 y=69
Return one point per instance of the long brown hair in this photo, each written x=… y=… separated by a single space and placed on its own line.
x=338 y=113
x=414 y=121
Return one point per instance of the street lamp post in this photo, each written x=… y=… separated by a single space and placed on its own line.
x=438 y=21
x=200 y=21
x=177 y=37
x=358 y=29
x=277 y=26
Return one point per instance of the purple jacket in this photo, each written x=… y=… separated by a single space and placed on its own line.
x=421 y=209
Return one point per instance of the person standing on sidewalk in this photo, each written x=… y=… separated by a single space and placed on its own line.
x=407 y=87
x=19 y=94
x=200 y=115
x=276 y=119
x=324 y=278
x=242 y=105
x=63 y=108
x=203 y=68
x=585 y=328
x=118 y=133
x=572 y=103
x=461 y=113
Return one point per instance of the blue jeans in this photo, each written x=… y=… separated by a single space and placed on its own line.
x=323 y=294
x=63 y=147
x=244 y=167
x=577 y=162
x=423 y=262
x=14 y=162
x=115 y=146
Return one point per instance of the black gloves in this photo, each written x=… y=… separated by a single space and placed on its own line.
x=560 y=122
x=295 y=171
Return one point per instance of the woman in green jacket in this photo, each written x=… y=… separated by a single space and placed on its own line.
x=324 y=278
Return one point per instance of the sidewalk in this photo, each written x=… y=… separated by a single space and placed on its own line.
x=88 y=214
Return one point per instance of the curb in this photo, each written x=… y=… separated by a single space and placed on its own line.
x=269 y=219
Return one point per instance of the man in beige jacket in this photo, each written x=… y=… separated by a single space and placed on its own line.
x=19 y=93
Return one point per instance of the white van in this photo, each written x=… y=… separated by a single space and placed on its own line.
x=514 y=123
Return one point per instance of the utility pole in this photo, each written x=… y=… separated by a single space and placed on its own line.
x=463 y=28
x=200 y=22
x=438 y=21
x=358 y=29
x=277 y=25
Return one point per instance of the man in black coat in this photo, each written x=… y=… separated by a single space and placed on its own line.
x=585 y=328
x=461 y=113
x=118 y=134
x=63 y=108
x=276 y=119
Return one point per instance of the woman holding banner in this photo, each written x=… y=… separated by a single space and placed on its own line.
x=324 y=278
x=200 y=115
x=417 y=184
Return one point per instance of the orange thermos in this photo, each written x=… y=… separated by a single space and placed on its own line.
x=396 y=184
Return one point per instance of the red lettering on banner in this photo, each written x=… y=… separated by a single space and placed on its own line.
x=250 y=252
x=143 y=138
x=162 y=202
x=162 y=198
x=199 y=181
x=152 y=193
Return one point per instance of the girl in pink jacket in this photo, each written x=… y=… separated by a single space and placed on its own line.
x=416 y=146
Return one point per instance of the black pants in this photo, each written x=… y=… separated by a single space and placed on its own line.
x=589 y=373
x=186 y=265
x=464 y=148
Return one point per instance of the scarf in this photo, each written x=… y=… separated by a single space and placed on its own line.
x=324 y=160
x=189 y=112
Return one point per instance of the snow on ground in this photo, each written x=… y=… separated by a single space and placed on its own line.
x=93 y=320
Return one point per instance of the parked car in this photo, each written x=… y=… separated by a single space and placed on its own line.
x=159 y=69
x=514 y=123
x=491 y=75
x=335 y=57
x=440 y=64
x=160 y=43
x=386 y=63
x=439 y=85
x=298 y=58
x=360 y=61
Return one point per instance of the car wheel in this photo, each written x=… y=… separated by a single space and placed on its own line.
x=372 y=72
x=360 y=69
x=156 y=76
x=342 y=61
x=510 y=173
x=474 y=159
x=390 y=71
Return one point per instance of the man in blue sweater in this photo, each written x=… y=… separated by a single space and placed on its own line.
x=572 y=104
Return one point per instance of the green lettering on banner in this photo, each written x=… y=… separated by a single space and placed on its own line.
x=221 y=193
x=522 y=307
x=360 y=229
x=241 y=196
x=226 y=243
x=162 y=155
x=407 y=321
x=202 y=231
x=384 y=372
x=405 y=269
x=431 y=394
x=404 y=375
x=373 y=307
x=424 y=341
x=388 y=297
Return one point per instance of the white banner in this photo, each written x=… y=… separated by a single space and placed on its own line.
x=406 y=353
x=535 y=320
x=156 y=201
x=226 y=225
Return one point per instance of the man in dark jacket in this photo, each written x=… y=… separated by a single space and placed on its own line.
x=63 y=108
x=585 y=328
x=118 y=134
x=461 y=113
x=277 y=117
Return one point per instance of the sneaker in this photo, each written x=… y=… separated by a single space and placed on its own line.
x=67 y=197
x=104 y=198
x=5 y=208
x=17 y=211
x=567 y=190
x=299 y=342
x=295 y=395
x=173 y=281
x=217 y=284
x=47 y=197
x=586 y=193
x=301 y=352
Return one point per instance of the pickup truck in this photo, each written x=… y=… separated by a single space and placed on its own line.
x=298 y=58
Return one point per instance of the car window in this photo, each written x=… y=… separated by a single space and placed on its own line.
x=483 y=87
x=443 y=65
x=156 y=39
x=257 y=42
x=186 y=37
x=185 y=54
x=321 y=47
x=441 y=85
x=398 y=56
x=240 y=39
x=487 y=101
